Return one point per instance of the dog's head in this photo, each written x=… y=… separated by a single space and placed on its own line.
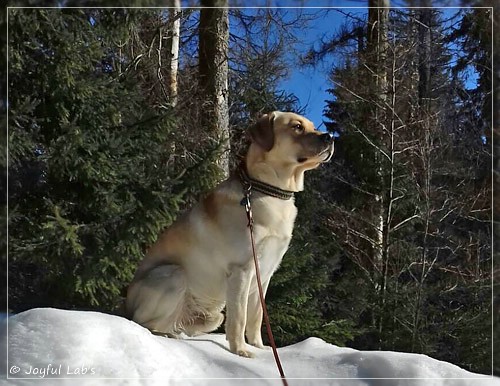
x=284 y=146
x=290 y=138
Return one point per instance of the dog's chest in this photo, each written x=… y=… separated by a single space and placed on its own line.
x=273 y=227
x=277 y=215
x=274 y=217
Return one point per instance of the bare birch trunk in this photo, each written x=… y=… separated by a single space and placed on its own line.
x=377 y=49
x=173 y=50
x=213 y=76
x=377 y=45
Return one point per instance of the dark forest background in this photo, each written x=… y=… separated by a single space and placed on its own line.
x=108 y=143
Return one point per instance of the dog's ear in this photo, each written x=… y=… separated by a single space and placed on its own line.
x=262 y=132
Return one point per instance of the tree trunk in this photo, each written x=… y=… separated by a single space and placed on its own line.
x=172 y=49
x=377 y=51
x=377 y=55
x=213 y=74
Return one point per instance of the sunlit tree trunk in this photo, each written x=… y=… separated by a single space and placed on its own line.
x=172 y=49
x=213 y=75
x=377 y=55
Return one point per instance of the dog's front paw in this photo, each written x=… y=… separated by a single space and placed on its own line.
x=240 y=350
x=244 y=353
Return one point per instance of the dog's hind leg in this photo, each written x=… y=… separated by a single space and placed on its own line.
x=204 y=323
x=156 y=301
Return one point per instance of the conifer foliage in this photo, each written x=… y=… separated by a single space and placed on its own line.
x=428 y=131
x=91 y=179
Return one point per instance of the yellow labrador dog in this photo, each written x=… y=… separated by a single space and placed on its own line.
x=204 y=262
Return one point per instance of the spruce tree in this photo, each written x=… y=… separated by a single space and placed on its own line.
x=94 y=176
x=438 y=250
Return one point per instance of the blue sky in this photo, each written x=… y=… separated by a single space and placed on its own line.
x=310 y=84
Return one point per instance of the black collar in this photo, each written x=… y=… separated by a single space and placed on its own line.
x=261 y=187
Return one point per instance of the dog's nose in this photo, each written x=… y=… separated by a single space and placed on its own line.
x=327 y=138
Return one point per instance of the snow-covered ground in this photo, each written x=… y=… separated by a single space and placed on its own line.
x=94 y=348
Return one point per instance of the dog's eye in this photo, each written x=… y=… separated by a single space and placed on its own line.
x=298 y=128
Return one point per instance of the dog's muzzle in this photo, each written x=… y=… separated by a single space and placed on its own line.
x=328 y=140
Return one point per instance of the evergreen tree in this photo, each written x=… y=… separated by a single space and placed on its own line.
x=437 y=191
x=93 y=175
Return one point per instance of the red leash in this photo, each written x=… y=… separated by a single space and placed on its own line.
x=248 y=210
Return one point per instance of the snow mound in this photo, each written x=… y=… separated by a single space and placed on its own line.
x=92 y=348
